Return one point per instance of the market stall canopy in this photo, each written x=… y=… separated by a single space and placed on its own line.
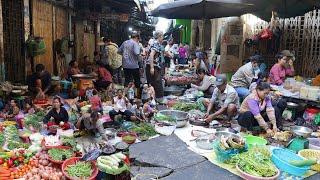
x=204 y=9
x=209 y=9
x=285 y=8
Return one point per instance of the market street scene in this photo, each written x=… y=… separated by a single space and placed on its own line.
x=159 y=89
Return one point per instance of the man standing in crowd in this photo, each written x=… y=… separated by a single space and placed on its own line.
x=104 y=53
x=242 y=79
x=130 y=51
x=115 y=61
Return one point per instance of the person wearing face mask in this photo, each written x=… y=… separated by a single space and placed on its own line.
x=242 y=79
x=283 y=68
x=257 y=109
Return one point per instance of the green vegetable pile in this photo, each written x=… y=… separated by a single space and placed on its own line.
x=33 y=120
x=11 y=135
x=16 y=145
x=185 y=106
x=144 y=129
x=256 y=162
x=128 y=138
x=162 y=117
x=60 y=154
x=69 y=141
x=2 y=140
x=80 y=170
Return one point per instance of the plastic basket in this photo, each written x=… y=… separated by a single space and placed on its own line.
x=59 y=147
x=225 y=155
x=282 y=157
x=310 y=154
x=114 y=172
x=73 y=161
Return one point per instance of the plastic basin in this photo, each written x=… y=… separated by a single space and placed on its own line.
x=282 y=157
x=255 y=141
x=251 y=177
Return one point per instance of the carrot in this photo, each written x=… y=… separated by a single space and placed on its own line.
x=4 y=175
x=4 y=171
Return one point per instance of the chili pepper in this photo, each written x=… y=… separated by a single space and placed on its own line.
x=1 y=161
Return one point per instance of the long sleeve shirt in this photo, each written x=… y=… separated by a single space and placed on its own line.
x=86 y=123
x=278 y=74
x=243 y=77
x=58 y=117
x=255 y=105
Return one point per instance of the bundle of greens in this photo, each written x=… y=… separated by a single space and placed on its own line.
x=162 y=117
x=144 y=129
x=69 y=141
x=33 y=120
x=60 y=154
x=11 y=133
x=185 y=106
x=256 y=162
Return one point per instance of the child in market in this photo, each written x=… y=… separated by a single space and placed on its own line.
x=145 y=95
x=152 y=92
x=131 y=92
x=95 y=101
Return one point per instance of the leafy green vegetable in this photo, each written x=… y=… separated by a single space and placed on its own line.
x=60 y=154
x=162 y=117
x=16 y=145
x=185 y=106
x=11 y=133
x=69 y=141
x=80 y=169
x=144 y=129
x=256 y=161
x=2 y=140
x=33 y=120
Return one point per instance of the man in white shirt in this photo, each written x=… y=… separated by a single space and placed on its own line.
x=120 y=103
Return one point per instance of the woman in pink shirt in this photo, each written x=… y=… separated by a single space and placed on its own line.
x=283 y=68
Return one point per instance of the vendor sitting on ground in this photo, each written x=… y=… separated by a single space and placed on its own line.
x=242 y=79
x=104 y=77
x=92 y=123
x=59 y=115
x=39 y=83
x=283 y=68
x=207 y=82
x=13 y=110
x=120 y=104
x=73 y=69
x=257 y=108
x=224 y=101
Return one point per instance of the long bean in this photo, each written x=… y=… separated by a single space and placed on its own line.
x=80 y=170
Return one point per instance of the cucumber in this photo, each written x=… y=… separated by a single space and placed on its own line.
x=110 y=159
x=120 y=156
x=104 y=166
x=305 y=162
x=115 y=158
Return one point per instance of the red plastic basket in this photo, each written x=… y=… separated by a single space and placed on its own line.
x=74 y=160
x=59 y=147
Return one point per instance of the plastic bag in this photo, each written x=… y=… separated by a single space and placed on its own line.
x=317 y=119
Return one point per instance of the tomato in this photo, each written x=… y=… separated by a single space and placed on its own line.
x=1 y=161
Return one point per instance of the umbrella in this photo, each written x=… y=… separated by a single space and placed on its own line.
x=285 y=8
x=204 y=9
x=209 y=9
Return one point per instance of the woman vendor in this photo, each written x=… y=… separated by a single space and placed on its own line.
x=207 y=82
x=93 y=123
x=283 y=68
x=104 y=77
x=59 y=114
x=14 y=110
x=73 y=69
x=257 y=108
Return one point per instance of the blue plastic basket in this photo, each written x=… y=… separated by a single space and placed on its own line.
x=282 y=157
x=225 y=155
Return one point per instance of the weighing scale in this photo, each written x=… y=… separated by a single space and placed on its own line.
x=300 y=141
